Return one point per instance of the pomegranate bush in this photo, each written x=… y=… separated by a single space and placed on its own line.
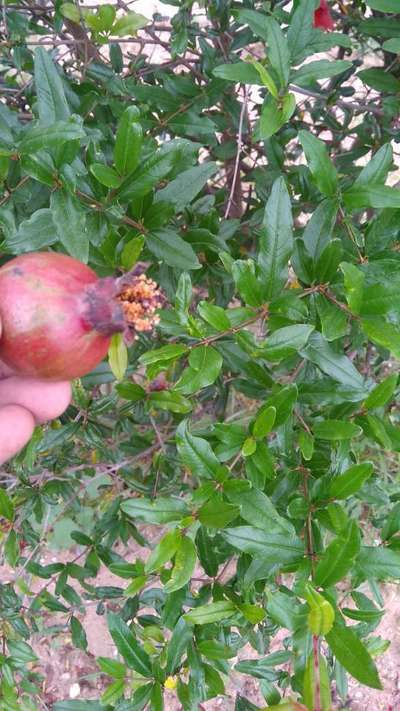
x=199 y=223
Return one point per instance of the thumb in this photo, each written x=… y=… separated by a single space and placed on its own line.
x=16 y=429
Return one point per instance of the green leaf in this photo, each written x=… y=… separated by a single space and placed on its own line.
x=118 y=356
x=164 y=551
x=246 y=282
x=266 y=79
x=195 y=452
x=167 y=353
x=309 y=689
x=379 y=562
x=205 y=364
x=131 y=252
x=272 y=549
x=264 y=422
x=105 y=175
x=286 y=341
x=70 y=11
x=185 y=561
x=354 y=286
x=129 y=24
x=37 y=139
x=216 y=513
x=128 y=141
x=182 y=635
x=183 y=189
x=333 y=319
x=336 y=430
x=214 y=315
x=243 y=72
x=392 y=45
x=338 y=558
x=381 y=393
x=210 y=613
x=334 y=364
x=78 y=634
x=320 y=69
x=257 y=509
x=283 y=401
x=170 y=248
x=130 y=391
x=377 y=168
x=319 y=228
x=300 y=32
x=353 y=655
x=383 y=5
x=379 y=196
x=170 y=401
x=128 y=646
x=113 y=692
x=157 y=511
x=383 y=334
x=69 y=220
x=263 y=668
x=6 y=506
x=111 y=667
x=350 y=481
x=212 y=649
x=21 y=651
x=51 y=102
x=276 y=243
x=278 y=52
x=323 y=171
x=379 y=79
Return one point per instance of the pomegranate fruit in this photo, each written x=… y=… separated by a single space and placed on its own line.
x=57 y=317
x=323 y=19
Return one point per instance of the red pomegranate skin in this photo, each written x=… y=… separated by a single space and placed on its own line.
x=43 y=314
x=323 y=19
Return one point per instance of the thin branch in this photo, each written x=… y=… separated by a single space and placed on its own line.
x=238 y=153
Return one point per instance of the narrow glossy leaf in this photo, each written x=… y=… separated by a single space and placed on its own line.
x=171 y=401
x=334 y=321
x=70 y=11
x=383 y=334
x=263 y=668
x=247 y=284
x=351 y=481
x=323 y=683
x=334 y=364
x=381 y=393
x=243 y=72
x=129 y=24
x=319 y=228
x=214 y=315
x=164 y=551
x=166 y=353
x=128 y=646
x=37 y=139
x=380 y=80
x=257 y=509
x=322 y=169
x=276 y=242
x=69 y=220
x=319 y=69
x=264 y=422
x=78 y=634
x=177 y=645
x=21 y=651
x=131 y=391
x=212 y=649
x=118 y=356
x=379 y=196
x=278 y=51
x=158 y=511
x=217 y=513
x=283 y=401
x=379 y=562
x=128 y=142
x=205 y=364
x=170 y=248
x=383 y=5
x=338 y=558
x=353 y=655
x=354 y=286
x=183 y=189
x=185 y=561
x=377 y=168
x=286 y=341
x=51 y=101
x=6 y=506
x=196 y=453
x=213 y=612
x=336 y=430
x=111 y=667
x=272 y=549
x=105 y=175
x=113 y=692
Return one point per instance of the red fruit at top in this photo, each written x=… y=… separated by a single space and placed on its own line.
x=57 y=316
x=323 y=19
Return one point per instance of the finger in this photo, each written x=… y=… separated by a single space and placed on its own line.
x=16 y=429
x=45 y=400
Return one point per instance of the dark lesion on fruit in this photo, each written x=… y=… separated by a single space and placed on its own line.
x=17 y=271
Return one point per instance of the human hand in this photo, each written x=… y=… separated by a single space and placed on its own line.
x=24 y=403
